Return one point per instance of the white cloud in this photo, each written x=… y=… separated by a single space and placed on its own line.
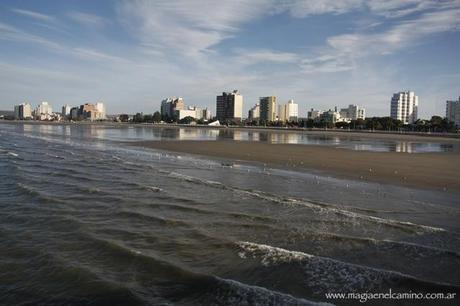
x=89 y=20
x=34 y=15
x=342 y=51
x=11 y=33
x=250 y=57
x=187 y=27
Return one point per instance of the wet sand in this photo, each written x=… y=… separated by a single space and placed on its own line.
x=439 y=171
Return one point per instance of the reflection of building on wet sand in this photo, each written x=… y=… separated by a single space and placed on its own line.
x=404 y=147
x=284 y=138
x=197 y=134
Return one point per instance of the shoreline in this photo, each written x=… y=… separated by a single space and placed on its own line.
x=437 y=171
x=409 y=136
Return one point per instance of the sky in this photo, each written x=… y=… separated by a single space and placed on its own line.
x=321 y=53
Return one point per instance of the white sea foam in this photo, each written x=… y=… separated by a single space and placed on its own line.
x=231 y=292
x=323 y=274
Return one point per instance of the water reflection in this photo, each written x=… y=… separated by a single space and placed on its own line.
x=131 y=133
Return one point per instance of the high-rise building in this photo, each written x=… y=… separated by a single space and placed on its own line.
x=100 y=111
x=89 y=111
x=254 y=113
x=170 y=106
x=74 y=113
x=229 y=106
x=23 y=111
x=353 y=112
x=66 y=111
x=453 y=112
x=267 y=108
x=404 y=107
x=288 y=111
x=44 y=111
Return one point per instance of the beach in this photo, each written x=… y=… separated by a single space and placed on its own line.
x=87 y=216
x=438 y=171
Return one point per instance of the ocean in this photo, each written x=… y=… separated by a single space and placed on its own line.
x=86 y=219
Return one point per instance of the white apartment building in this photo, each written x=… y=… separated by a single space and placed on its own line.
x=288 y=111
x=404 y=107
x=353 y=112
x=100 y=111
x=194 y=112
x=182 y=113
x=44 y=111
x=292 y=111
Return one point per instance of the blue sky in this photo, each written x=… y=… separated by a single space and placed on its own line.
x=132 y=54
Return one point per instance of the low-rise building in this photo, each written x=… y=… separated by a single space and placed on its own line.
x=353 y=112
x=314 y=114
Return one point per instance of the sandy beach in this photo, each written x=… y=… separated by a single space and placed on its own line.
x=440 y=171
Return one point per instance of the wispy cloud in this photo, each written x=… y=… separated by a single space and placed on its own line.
x=386 y=8
x=11 y=33
x=89 y=20
x=250 y=57
x=187 y=27
x=183 y=47
x=342 y=51
x=34 y=15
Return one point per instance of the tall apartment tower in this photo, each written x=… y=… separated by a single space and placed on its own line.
x=453 y=112
x=292 y=111
x=229 y=106
x=267 y=108
x=23 y=111
x=288 y=111
x=404 y=107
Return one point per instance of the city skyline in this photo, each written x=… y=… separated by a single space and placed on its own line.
x=320 y=54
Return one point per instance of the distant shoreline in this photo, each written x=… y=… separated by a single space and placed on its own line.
x=409 y=136
x=439 y=171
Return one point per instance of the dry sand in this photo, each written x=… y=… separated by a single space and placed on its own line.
x=439 y=171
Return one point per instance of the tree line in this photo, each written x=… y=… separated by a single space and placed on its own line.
x=436 y=124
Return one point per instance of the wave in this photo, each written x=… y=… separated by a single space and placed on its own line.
x=177 y=284
x=231 y=292
x=414 y=249
x=40 y=195
x=12 y=154
x=322 y=274
x=319 y=206
x=153 y=219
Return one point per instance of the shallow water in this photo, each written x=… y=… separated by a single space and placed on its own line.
x=140 y=132
x=87 y=220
